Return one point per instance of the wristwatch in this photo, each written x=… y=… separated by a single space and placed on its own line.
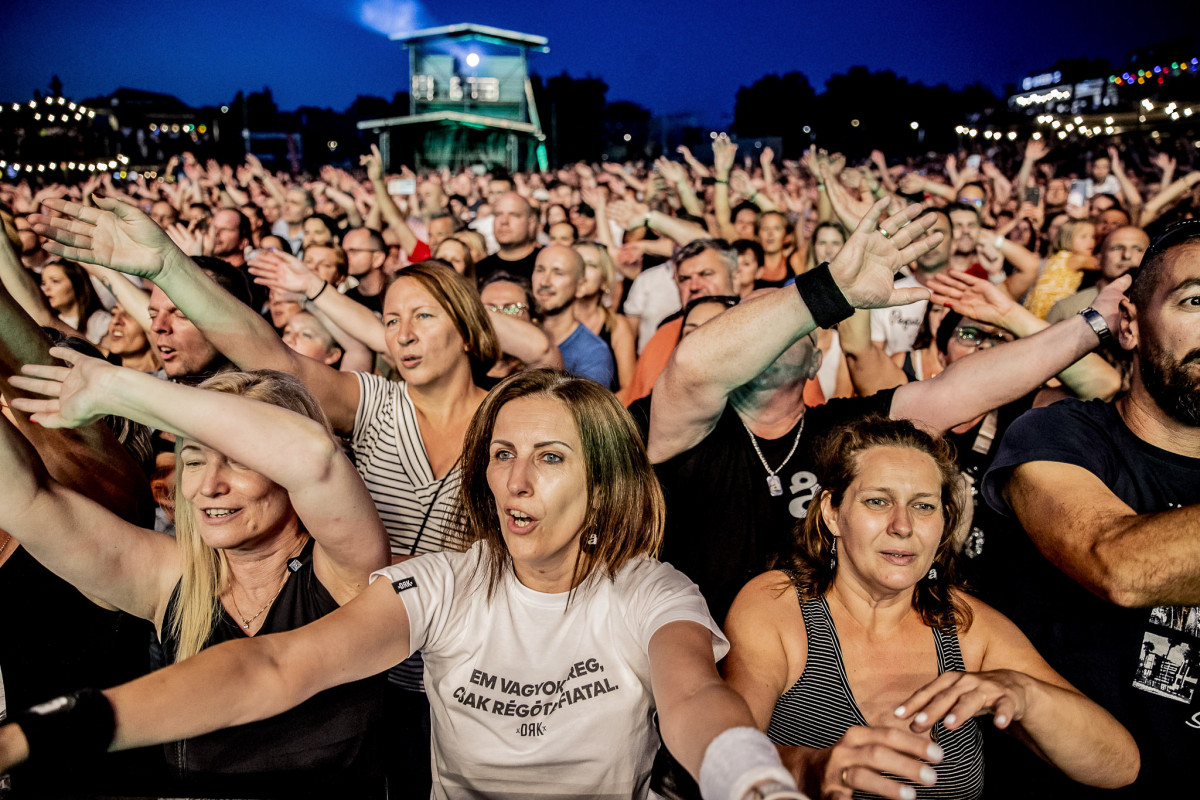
x=1093 y=318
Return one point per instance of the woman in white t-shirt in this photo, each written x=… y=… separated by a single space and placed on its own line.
x=549 y=645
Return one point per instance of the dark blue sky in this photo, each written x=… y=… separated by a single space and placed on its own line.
x=671 y=55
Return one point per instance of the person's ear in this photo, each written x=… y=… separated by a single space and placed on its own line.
x=829 y=513
x=1127 y=326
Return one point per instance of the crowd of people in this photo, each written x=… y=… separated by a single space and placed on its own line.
x=747 y=479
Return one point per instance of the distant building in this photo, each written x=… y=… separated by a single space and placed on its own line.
x=470 y=101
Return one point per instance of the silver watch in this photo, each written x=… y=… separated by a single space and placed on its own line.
x=1097 y=323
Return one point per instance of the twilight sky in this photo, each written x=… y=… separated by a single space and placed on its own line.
x=671 y=55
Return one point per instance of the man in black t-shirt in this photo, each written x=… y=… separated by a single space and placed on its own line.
x=730 y=434
x=515 y=229
x=1107 y=584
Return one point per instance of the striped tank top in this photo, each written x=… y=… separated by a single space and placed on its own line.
x=819 y=708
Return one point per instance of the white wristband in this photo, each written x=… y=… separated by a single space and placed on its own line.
x=1000 y=240
x=737 y=760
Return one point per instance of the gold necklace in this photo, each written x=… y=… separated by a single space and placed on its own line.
x=246 y=622
x=7 y=539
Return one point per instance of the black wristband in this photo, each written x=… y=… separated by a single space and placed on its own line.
x=68 y=727
x=823 y=296
x=324 y=286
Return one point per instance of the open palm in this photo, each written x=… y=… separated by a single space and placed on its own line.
x=114 y=235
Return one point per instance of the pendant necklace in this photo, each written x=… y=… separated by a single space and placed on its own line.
x=773 y=483
x=247 y=622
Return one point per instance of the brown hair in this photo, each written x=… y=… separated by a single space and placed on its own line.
x=837 y=465
x=460 y=300
x=626 y=511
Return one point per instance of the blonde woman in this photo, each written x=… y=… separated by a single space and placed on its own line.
x=598 y=288
x=274 y=529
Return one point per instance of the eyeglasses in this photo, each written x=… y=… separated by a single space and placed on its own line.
x=511 y=309
x=361 y=250
x=971 y=336
x=972 y=201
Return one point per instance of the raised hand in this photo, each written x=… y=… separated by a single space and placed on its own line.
x=256 y=167
x=374 y=164
x=911 y=183
x=767 y=157
x=283 y=272
x=1036 y=149
x=629 y=214
x=970 y=296
x=739 y=183
x=724 y=151
x=1164 y=162
x=849 y=210
x=864 y=267
x=671 y=170
x=186 y=239
x=75 y=395
x=859 y=760
x=112 y=235
x=692 y=161
x=955 y=697
x=595 y=196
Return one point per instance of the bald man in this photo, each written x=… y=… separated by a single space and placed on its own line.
x=557 y=274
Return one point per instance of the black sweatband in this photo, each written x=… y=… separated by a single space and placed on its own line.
x=823 y=296
x=68 y=727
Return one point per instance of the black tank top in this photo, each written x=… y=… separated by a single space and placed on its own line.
x=820 y=707
x=326 y=746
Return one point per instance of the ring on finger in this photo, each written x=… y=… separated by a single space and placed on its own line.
x=843 y=776
x=883 y=230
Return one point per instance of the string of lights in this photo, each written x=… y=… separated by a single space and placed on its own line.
x=1157 y=74
x=51 y=109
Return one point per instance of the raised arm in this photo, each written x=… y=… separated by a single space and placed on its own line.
x=292 y=450
x=120 y=236
x=1024 y=695
x=999 y=375
x=1167 y=197
x=741 y=343
x=976 y=298
x=19 y=284
x=386 y=205
x=724 y=152
x=80 y=540
x=287 y=273
x=88 y=460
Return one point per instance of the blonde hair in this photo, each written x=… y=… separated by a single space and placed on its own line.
x=205 y=569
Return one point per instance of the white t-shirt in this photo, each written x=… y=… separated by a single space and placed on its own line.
x=897 y=326
x=653 y=297
x=530 y=700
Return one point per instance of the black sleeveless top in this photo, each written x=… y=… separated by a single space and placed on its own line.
x=820 y=707
x=326 y=746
